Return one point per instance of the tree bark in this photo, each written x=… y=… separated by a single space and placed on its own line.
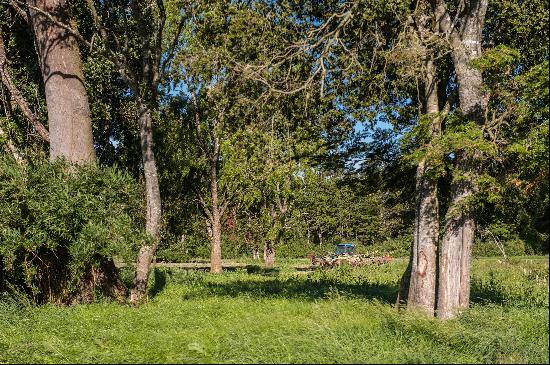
x=69 y=117
x=422 y=288
x=418 y=284
x=154 y=210
x=404 y=283
x=456 y=253
x=456 y=247
x=216 y=234
x=216 y=214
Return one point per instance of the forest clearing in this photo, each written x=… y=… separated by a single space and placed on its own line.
x=282 y=316
x=336 y=181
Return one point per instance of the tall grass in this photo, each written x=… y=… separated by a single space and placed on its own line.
x=254 y=315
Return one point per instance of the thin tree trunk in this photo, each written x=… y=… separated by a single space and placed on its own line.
x=69 y=117
x=422 y=289
x=152 y=192
x=269 y=254
x=456 y=247
x=1 y=273
x=216 y=252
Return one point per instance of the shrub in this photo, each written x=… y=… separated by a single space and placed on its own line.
x=58 y=221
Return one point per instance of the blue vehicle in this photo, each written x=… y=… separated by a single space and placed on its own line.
x=345 y=249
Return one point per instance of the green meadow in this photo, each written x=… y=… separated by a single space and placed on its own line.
x=254 y=315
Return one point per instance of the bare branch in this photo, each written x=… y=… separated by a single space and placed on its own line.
x=172 y=49
x=204 y=206
x=19 y=11
x=326 y=36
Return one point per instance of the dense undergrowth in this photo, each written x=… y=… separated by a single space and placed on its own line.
x=57 y=222
x=280 y=315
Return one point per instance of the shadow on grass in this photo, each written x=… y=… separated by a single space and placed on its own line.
x=264 y=282
x=303 y=289
x=257 y=269
x=159 y=282
x=256 y=281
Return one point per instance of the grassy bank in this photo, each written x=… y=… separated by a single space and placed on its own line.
x=254 y=315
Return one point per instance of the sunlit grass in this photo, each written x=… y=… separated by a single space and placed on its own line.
x=282 y=316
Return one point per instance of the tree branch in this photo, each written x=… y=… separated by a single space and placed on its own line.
x=125 y=73
x=19 y=99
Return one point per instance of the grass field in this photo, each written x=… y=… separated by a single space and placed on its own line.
x=252 y=315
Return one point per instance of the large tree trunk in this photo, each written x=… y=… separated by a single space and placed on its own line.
x=69 y=118
x=422 y=288
x=456 y=247
x=455 y=256
x=418 y=284
x=152 y=192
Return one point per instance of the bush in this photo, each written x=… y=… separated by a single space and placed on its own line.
x=397 y=247
x=512 y=282
x=513 y=246
x=59 y=221
x=174 y=249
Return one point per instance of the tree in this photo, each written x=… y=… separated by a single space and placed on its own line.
x=421 y=38
x=456 y=247
x=145 y=30
x=69 y=119
x=225 y=102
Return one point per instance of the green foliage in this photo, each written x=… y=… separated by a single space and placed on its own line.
x=512 y=282
x=497 y=62
x=57 y=221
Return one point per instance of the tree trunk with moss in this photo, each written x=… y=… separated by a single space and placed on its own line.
x=456 y=247
x=422 y=288
x=418 y=284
